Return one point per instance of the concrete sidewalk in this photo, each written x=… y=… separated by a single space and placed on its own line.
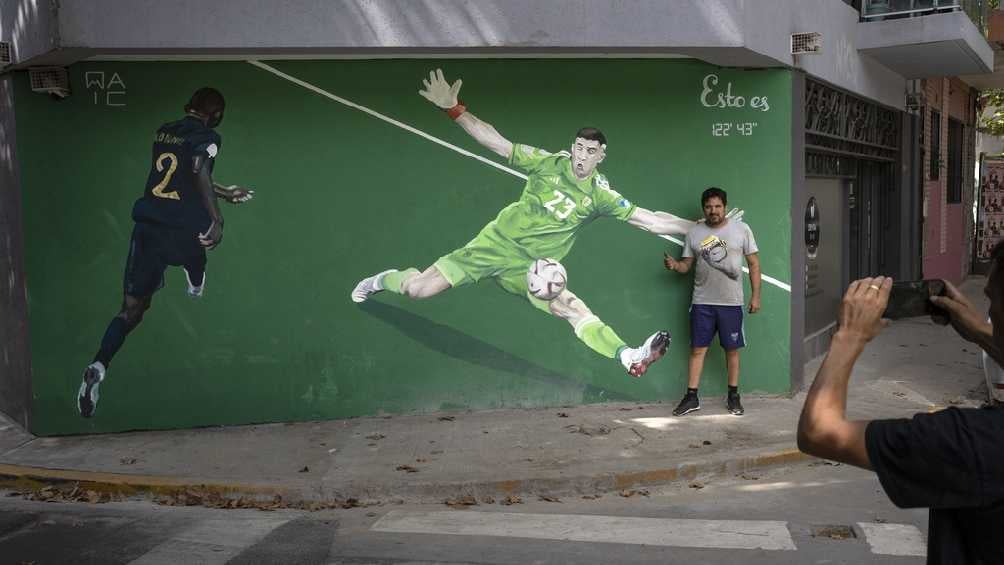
x=913 y=366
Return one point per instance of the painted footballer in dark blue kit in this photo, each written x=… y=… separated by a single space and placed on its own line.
x=171 y=197
x=177 y=220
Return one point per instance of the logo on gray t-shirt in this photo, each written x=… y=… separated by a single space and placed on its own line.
x=719 y=254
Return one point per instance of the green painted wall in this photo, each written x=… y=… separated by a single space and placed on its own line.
x=341 y=195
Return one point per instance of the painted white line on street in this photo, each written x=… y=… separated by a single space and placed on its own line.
x=721 y=534
x=894 y=539
x=210 y=542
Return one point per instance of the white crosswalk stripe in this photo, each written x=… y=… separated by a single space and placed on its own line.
x=210 y=542
x=894 y=539
x=735 y=534
x=882 y=539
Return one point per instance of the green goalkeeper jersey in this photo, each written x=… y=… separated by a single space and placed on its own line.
x=554 y=204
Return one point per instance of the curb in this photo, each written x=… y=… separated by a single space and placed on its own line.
x=33 y=479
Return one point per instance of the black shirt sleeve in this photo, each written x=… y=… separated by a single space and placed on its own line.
x=948 y=459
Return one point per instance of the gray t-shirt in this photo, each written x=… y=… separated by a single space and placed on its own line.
x=719 y=254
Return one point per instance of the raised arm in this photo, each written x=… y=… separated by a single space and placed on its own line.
x=823 y=429
x=444 y=95
x=659 y=223
x=485 y=134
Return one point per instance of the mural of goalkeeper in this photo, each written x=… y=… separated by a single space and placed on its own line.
x=563 y=193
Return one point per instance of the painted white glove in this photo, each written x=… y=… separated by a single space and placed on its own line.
x=440 y=92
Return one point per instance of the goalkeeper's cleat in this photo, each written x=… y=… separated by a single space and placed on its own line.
x=637 y=360
x=195 y=290
x=87 y=397
x=369 y=286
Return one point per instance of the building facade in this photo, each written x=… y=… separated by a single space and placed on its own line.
x=820 y=148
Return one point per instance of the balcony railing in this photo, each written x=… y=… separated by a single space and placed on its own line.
x=978 y=10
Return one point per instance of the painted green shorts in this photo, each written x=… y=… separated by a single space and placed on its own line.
x=484 y=257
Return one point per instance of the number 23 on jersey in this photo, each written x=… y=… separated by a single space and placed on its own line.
x=562 y=206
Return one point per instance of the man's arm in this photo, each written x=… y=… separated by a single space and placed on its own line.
x=682 y=266
x=971 y=324
x=823 y=428
x=659 y=223
x=204 y=182
x=753 y=260
x=444 y=95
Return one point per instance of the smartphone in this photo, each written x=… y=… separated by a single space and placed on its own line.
x=909 y=299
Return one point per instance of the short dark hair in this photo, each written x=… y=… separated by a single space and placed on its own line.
x=592 y=134
x=206 y=101
x=714 y=192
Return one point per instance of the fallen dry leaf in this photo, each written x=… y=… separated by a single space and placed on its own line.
x=562 y=414
x=447 y=418
x=511 y=499
x=488 y=499
x=548 y=498
x=127 y=460
x=693 y=446
x=466 y=500
x=407 y=468
x=375 y=436
x=591 y=496
x=706 y=442
x=696 y=485
x=628 y=493
x=305 y=469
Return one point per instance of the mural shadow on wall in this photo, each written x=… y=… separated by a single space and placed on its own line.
x=456 y=344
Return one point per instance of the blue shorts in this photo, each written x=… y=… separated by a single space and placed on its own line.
x=706 y=319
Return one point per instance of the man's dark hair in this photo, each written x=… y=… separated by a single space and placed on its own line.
x=714 y=192
x=206 y=101
x=591 y=134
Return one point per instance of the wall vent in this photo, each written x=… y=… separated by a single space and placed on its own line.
x=5 y=54
x=806 y=43
x=50 y=80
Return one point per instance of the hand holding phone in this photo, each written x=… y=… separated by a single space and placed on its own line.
x=909 y=299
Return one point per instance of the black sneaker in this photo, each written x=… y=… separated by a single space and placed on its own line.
x=733 y=404
x=690 y=403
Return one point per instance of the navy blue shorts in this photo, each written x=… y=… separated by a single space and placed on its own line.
x=727 y=321
x=152 y=249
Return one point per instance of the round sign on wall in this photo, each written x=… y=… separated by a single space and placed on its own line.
x=811 y=227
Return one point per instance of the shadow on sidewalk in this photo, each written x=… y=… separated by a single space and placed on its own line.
x=456 y=344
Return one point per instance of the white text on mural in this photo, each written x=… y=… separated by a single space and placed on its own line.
x=713 y=96
x=108 y=93
x=725 y=129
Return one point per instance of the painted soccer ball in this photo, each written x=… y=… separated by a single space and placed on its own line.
x=546 y=279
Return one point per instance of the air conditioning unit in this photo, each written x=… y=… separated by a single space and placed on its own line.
x=806 y=43
x=50 y=80
x=6 y=57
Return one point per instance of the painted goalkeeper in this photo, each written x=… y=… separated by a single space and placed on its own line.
x=564 y=192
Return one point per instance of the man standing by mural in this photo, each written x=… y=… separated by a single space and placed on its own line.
x=177 y=220
x=563 y=193
x=717 y=304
